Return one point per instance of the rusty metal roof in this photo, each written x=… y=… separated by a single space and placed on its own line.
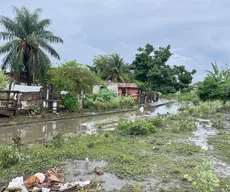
x=130 y=85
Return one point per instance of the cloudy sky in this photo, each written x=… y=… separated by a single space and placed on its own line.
x=197 y=30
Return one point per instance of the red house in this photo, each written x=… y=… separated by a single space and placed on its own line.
x=128 y=89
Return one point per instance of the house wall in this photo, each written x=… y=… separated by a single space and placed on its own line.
x=130 y=92
x=33 y=98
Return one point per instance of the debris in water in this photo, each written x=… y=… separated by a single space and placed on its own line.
x=141 y=109
x=98 y=171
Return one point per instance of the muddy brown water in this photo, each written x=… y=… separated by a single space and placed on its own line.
x=36 y=132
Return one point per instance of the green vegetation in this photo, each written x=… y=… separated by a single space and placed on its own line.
x=138 y=150
x=27 y=37
x=110 y=67
x=71 y=76
x=3 y=81
x=151 y=69
x=105 y=99
x=216 y=85
x=139 y=127
x=69 y=102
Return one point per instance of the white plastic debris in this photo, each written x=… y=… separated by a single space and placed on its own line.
x=141 y=109
x=41 y=177
x=45 y=189
x=80 y=183
x=16 y=182
x=64 y=187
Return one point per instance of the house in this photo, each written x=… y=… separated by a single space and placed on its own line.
x=128 y=89
x=121 y=89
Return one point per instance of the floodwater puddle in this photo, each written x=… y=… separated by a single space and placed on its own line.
x=203 y=132
x=222 y=169
x=36 y=132
x=82 y=170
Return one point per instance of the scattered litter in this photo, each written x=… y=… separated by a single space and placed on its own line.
x=17 y=182
x=41 y=177
x=52 y=180
x=98 y=171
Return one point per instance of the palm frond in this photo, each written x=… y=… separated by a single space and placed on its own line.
x=6 y=36
x=49 y=37
x=49 y=49
x=7 y=46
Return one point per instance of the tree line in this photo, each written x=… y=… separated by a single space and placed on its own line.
x=28 y=45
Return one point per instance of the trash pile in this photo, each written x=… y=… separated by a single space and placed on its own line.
x=52 y=180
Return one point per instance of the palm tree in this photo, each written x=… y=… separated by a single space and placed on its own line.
x=28 y=40
x=223 y=73
x=109 y=67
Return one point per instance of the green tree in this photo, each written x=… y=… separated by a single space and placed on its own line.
x=183 y=77
x=73 y=77
x=28 y=40
x=216 y=85
x=150 y=67
x=3 y=81
x=109 y=67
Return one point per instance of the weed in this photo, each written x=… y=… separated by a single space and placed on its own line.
x=203 y=179
x=139 y=127
x=9 y=155
x=58 y=140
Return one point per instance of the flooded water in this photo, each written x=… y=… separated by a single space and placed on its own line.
x=88 y=125
x=84 y=170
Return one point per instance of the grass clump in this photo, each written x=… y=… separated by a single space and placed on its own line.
x=138 y=127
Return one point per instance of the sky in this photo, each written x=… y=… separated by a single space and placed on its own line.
x=197 y=30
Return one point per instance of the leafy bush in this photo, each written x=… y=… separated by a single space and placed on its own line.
x=105 y=99
x=9 y=155
x=35 y=108
x=69 y=102
x=58 y=140
x=183 y=126
x=139 y=127
x=3 y=81
x=126 y=102
x=213 y=89
x=158 y=122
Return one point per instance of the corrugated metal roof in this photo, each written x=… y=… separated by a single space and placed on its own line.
x=26 y=88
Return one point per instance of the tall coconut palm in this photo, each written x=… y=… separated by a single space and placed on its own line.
x=28 y=44
x=109 y=67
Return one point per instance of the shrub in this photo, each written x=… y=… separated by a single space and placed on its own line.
x=107 y=100
x=126 y=102
x=139 y=127
x=213 y=88
x=158 y=122
x=58 y=140
x=9 y=155
x=69 y=102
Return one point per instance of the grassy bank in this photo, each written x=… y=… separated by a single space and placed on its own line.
x=161 y=155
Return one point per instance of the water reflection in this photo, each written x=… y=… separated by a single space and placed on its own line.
x=88 y=125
